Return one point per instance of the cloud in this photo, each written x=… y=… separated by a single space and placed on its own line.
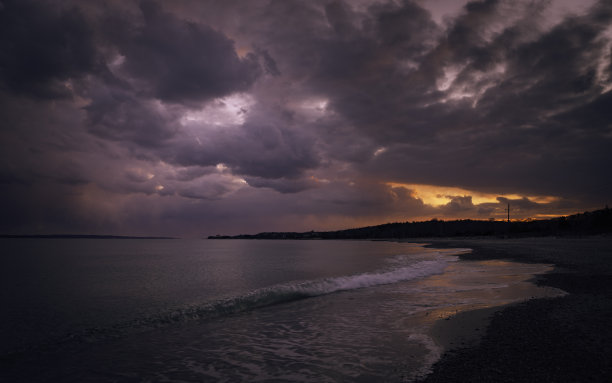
x=175 y=60
x=181 y=116
x=267 y=144
x=282 y=185
x=42 y=46
x=502 y=120
x=459 y=205
x=118 y=115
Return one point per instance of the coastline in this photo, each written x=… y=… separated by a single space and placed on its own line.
x=550 y=339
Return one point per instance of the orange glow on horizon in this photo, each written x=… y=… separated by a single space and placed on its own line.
x=546 y=216
x=441 y=195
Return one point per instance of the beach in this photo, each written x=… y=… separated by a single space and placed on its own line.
x=561 y=339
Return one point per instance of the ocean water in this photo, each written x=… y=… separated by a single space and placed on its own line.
x=93 y=310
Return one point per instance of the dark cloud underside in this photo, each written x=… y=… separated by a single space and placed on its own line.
x=146 y=117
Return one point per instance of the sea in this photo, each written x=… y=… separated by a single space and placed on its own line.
x=179 y=310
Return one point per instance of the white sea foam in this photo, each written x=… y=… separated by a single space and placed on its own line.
x=401 y=270
x=326 y=286
x=305 y=289
x=433 y=355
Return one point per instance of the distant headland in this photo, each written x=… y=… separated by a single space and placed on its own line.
x=78 y=236
x=587 y=223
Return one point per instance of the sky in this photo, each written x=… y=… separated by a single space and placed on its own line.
x=195 y=118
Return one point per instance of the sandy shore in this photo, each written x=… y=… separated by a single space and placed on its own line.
x=564 y=339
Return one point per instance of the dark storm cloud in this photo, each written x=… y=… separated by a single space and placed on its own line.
x=282 y=185
x=555 y=72
x=140 y=114
x=190 y=173
x=340 y=17
x=171 y=65
x=516 y=134
x=118 y=115
x=264 y=149
x=459 y=205
x=182 y=61
x=271 y=152
x=268 y=63
x=42 y=45
x=161 y=65
x=367 y=74
x=407 y=30
x=206 y=191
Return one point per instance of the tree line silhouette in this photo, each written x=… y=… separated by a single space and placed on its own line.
x=587 y=223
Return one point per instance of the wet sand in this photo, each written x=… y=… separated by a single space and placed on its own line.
x=562 y=339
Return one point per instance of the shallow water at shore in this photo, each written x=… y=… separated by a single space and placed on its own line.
x=351 y=311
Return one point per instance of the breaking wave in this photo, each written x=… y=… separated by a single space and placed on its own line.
x=307 y=289
x=263 y=297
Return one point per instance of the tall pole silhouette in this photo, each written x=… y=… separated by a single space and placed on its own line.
x=508 y=213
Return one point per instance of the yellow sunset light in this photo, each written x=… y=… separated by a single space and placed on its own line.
x=441 y=195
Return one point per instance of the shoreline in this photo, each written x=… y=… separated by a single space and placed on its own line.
x=557 y=339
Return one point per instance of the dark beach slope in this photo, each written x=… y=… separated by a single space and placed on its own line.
x=566 y=339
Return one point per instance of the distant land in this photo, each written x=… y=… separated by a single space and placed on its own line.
x=587 y=223
x=78 y=236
